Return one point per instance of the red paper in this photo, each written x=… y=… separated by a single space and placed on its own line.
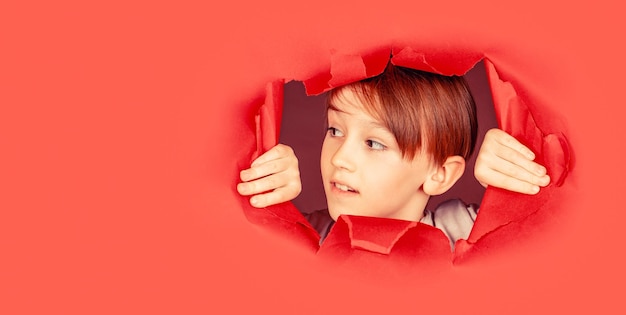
x=502 y=207
x=124 y=125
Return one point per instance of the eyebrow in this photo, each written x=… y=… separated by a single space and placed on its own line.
x=371 y=123
x=375 y=124
x=332 y=106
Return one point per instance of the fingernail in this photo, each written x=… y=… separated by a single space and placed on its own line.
x=254 y=201
x=535 y=189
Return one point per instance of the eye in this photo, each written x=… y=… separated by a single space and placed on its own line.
x=334 y=132
x=375 y=145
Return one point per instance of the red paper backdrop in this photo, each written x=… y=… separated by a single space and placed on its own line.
x=121 y=141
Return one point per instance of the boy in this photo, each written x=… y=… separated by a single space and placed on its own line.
x=393 y=141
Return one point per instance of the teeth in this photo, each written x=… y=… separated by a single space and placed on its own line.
x=343 y=187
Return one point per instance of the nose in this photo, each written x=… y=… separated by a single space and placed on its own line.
x=343 y=157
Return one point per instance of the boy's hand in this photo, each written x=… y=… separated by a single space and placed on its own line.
x=506 y=163
x=273 y=177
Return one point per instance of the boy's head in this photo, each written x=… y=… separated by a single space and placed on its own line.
x=394 y=140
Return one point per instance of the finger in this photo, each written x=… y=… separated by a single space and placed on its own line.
x=262 y=185
x=265 y=169
x=277 y=152
x=510 y=183
x=275 y=197
x=520 y=173
x=517 y=158
x=509 y=141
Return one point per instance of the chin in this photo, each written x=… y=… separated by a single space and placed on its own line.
x=334 y=214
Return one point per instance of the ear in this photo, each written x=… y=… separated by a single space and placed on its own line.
x=444 y=176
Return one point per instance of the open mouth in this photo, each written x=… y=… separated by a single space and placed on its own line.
x=343 y=187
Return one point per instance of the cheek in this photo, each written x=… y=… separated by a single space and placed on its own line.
x=325 y=157
x=393 y=179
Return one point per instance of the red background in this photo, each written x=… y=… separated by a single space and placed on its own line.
x=118 y=134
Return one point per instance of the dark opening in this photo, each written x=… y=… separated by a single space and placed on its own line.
x=302 y=128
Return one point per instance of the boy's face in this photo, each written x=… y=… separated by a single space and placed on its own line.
x=362 y=166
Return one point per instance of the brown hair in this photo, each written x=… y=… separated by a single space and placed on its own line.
x=417 y=107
